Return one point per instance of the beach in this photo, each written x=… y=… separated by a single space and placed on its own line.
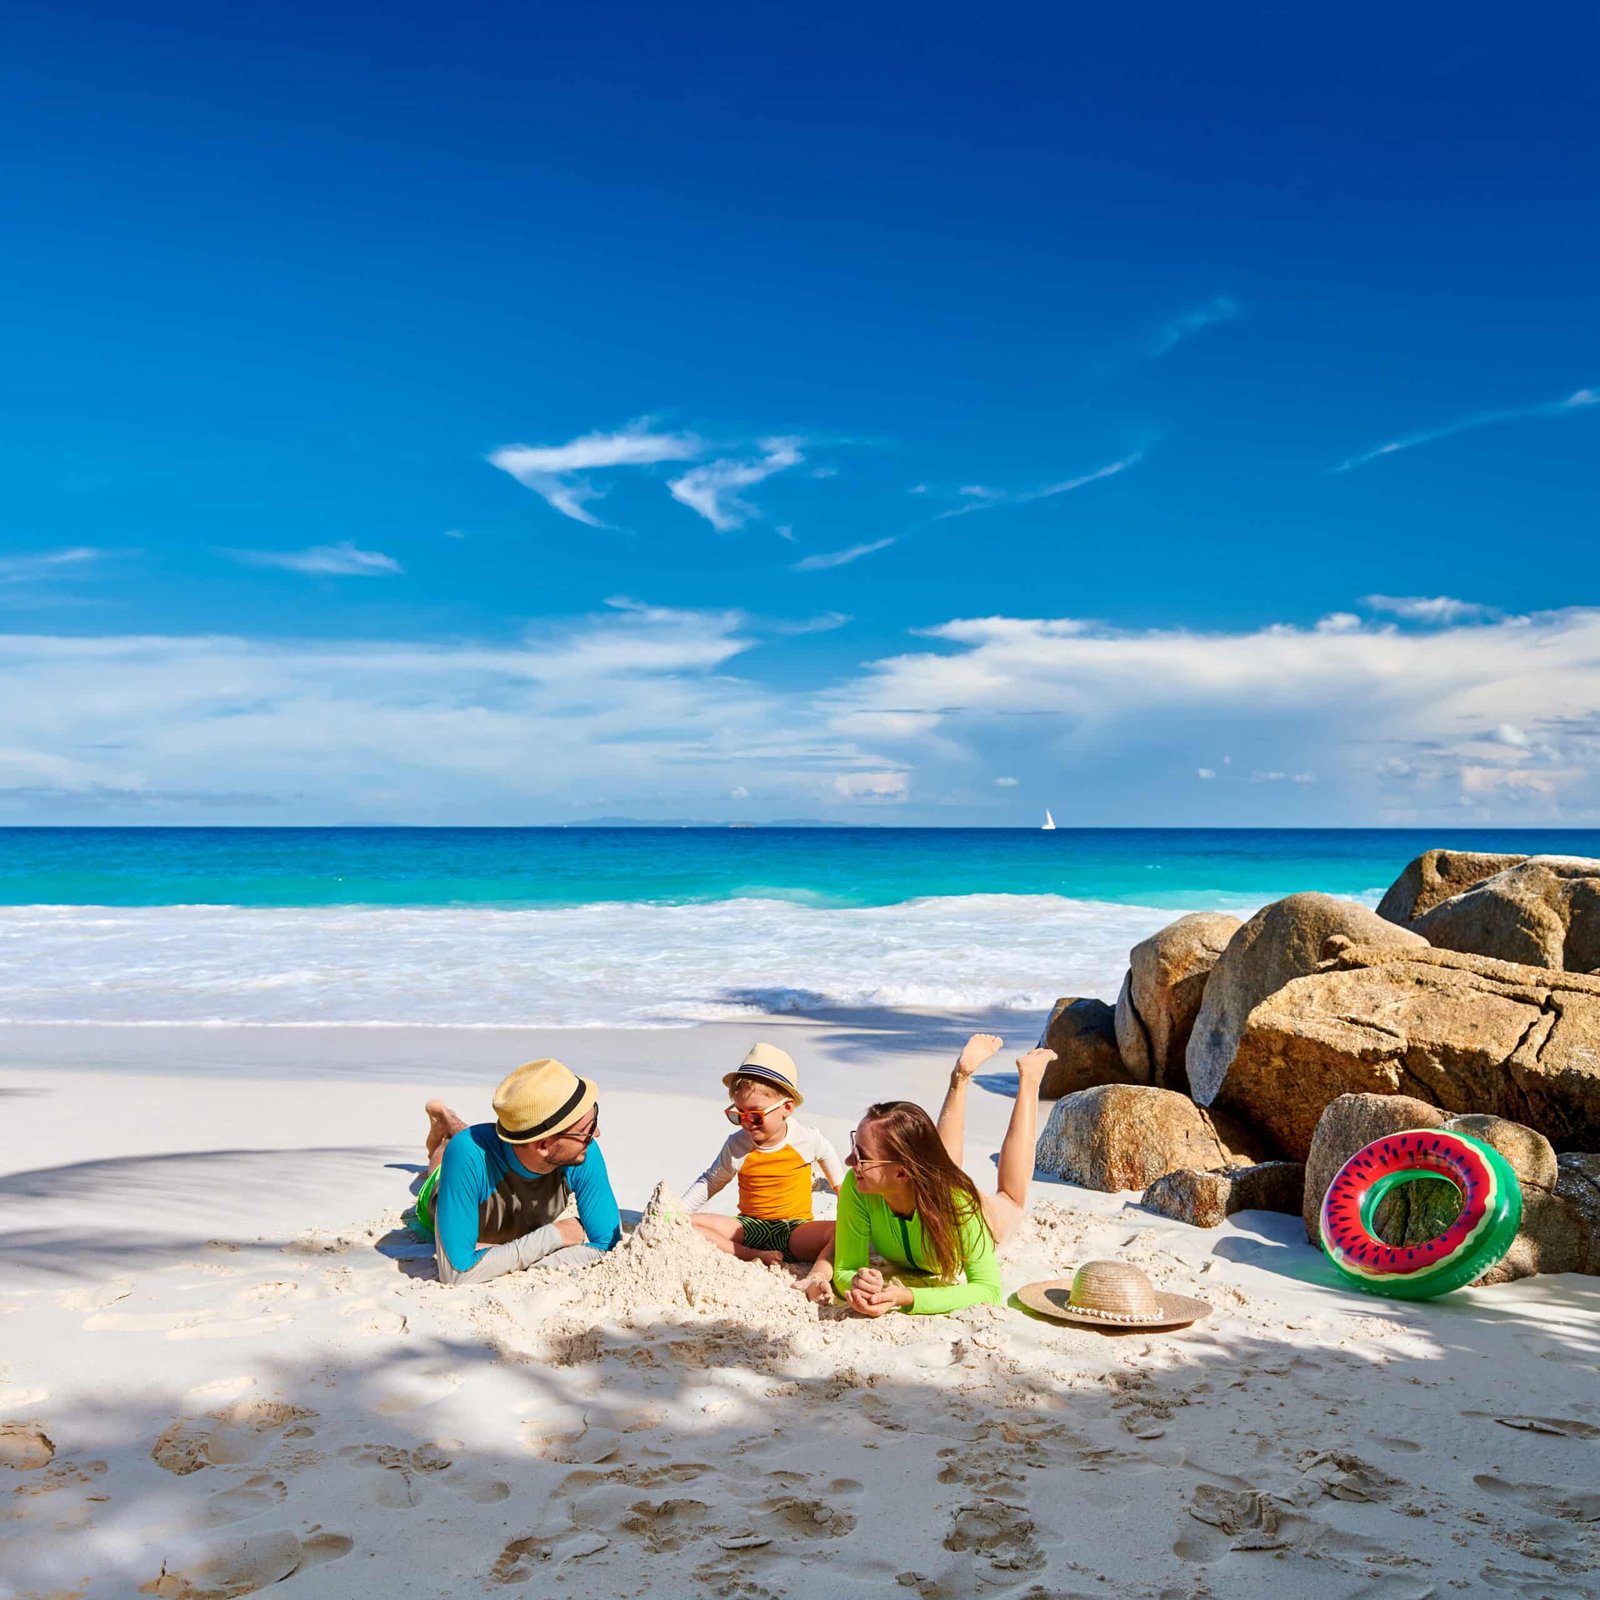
x=226 y=1365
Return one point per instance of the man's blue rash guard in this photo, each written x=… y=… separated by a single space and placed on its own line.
x=487 y=1198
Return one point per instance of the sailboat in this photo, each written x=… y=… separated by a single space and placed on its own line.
x=1049 y=822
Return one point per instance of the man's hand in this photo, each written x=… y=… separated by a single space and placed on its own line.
x=570 y=1231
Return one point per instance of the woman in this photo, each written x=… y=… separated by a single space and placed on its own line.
x=906 y=1197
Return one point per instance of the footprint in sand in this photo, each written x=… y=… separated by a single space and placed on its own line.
x=95 y=1296
x=1004 y=1535
x=522 y=1558
x=225 y=1569
x=411 y=1391
x=1565 y=1427
x=24 y=1447
x=803 y=1516
x=1551 y=1500
x=370 y=1320
x=398 y=1473
x=248 y=1499
x=231 y=1437
x=669 y=1524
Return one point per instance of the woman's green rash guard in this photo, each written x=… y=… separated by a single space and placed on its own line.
x=865 y=1223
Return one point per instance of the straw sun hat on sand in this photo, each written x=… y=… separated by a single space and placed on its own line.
x=1110 y=1294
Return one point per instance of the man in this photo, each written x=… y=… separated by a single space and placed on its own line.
x=502 y=1185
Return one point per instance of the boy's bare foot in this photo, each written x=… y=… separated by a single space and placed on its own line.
x=769 y=1258
x=443 y=1125
x=1030 y=1069
x=975 y=1052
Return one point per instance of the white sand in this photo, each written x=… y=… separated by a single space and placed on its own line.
x=219 y=1362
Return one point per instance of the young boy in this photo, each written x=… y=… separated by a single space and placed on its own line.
x=772 y=1157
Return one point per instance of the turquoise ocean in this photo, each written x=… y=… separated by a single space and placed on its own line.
x=646 y=926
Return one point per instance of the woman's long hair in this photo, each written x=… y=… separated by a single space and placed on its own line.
x=945 y=1195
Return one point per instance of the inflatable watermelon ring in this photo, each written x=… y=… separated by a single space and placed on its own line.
x=1491 y=1213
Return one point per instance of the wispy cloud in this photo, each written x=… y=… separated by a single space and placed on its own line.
x=1577 y=401
x=1439 y=610
x=839 y=558
x=48 y=564
x=1219 y=308
x=713 y=490
x=554 y=471
x=981 y=498
x=341 y=560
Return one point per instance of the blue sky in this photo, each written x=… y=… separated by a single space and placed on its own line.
x=741 y=412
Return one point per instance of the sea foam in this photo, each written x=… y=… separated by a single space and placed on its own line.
x=599 y=965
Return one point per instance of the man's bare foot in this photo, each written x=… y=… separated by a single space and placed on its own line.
x=1030 y=1068
x=443 y=1125
x=974 y=1053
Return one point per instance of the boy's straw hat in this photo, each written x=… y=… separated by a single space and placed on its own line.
x=539 y=1100
x=768 y=1064
x=1111 y=1294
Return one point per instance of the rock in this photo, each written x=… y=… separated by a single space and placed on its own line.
x=1083 y=1034
x=1161 y=996
x=1578 y=1184
x=1125 y=1136
x=1437 y=875
x=1203 y=1199
x=1542 y=912
x=1560 y=1195
x=1462 y=1033
x=1351 y=1122
x=1280 y=942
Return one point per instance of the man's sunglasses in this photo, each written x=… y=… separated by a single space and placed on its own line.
x=586 y=1138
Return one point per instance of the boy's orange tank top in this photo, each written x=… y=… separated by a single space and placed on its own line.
x=775 y=1185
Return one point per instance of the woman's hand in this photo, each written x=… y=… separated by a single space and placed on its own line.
x=868 y=1278
x=875 y=1302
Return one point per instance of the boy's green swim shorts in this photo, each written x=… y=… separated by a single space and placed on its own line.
x=760 y=1234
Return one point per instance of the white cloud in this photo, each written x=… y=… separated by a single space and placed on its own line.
x=1579 y=400
x=739 y=792
x=1006 y=783
x=1219 y=308
x=878 y=787
x=636 y=702
x=980 y=498
x=1205 y=772
x=1509 y=733
x=1339 y=622
x=839 y=558
x=713 y=490
x=326 y=560
x=1420 y=608
x=49 y=564
x=1323 y=706
x=551 y=470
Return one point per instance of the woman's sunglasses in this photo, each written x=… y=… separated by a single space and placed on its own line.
x=859 y=1160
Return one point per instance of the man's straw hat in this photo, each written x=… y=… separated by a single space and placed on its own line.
x=1110 y=1294
x=768 y=1064
x=539 y=1100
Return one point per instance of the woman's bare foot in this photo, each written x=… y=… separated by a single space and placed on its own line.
x=1030 y=1069
x=443 y=1126
x=975 y=1052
